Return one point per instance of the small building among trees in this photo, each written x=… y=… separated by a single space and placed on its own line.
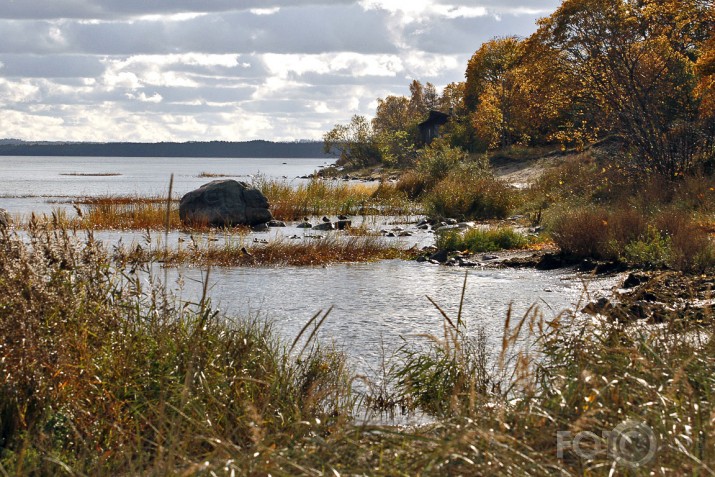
x=429 y=128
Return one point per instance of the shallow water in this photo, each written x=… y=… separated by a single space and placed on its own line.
x=376 y=307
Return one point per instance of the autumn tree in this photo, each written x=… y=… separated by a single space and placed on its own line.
x=639 y=72
x=353 y=143
x=491 y=93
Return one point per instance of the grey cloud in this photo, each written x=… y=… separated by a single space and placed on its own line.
x=111 y=9
x=505 y=5
x=466 y=34
x=60 y=66
x=292 y=30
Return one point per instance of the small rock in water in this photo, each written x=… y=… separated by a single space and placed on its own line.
x=440 y=256
x=260 y=228
x=489 y=257
x=276 y=223
x=324 y=226
x=304 y=225
x=598 y=306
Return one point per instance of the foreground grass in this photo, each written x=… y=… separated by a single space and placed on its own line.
x=101 y=373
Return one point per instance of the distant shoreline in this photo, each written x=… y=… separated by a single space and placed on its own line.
x=252 y=149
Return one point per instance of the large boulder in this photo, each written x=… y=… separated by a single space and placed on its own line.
x=224 y=203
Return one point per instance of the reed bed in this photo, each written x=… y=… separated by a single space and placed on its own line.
x=319 y=197
x=281 y=252
x=288 y=202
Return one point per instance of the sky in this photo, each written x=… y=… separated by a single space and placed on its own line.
x=231 y=70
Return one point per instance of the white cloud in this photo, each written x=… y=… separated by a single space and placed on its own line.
x=222 y=69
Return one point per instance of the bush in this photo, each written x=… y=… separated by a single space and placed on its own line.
x=471 y=196
x=482 y=240
x=582 y=233
x=669 y=239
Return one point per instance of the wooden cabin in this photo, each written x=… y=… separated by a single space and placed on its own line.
x=429 y=128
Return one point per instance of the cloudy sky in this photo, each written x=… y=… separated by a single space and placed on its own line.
x=199 y=70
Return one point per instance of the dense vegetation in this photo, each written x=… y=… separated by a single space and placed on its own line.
x=625 y=88
x=103 y=373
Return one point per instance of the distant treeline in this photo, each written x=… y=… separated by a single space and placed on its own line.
x=257 y=149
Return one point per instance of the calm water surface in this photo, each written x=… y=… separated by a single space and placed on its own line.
x=27 y=184
x=377 y=306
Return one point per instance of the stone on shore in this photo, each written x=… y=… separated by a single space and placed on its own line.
x=224 y=203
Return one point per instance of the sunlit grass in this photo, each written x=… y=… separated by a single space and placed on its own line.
x=288 y=202
x=234 y=251
x=318 y=197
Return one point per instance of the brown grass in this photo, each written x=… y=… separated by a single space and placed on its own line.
x=214 y=174
x=282 y=252
x=317 y=197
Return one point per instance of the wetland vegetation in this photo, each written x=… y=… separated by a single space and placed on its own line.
x=591 y=143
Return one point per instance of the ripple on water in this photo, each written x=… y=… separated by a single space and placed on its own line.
x=377 y=306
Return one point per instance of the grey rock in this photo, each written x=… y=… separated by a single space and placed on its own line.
x=405 y=233
x=324 y=226
x=601 y=305
x=276 y=223
x=343 y=224
x=304 y=225
x=440 y=256
x=489 y=257
x=224 y=203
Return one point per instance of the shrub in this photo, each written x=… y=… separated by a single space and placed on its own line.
x=471 y=196
x=669 y=239
x=651 y=251
x=582 y=233
x=482 y=240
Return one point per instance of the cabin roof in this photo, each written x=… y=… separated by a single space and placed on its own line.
x=435 y=117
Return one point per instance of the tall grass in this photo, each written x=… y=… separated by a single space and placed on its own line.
x=103 y=373
x=318 y=197
x=565 y=376
x=288 y=202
